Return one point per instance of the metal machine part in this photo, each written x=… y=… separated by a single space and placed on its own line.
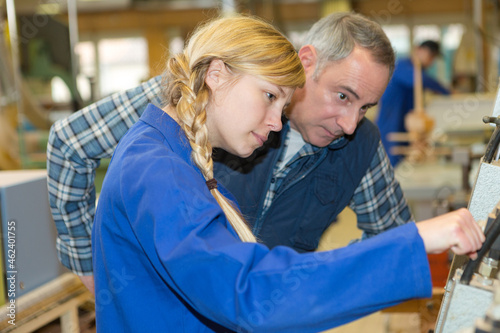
x=490 y=322
x=494 y=141
x=470 y=285
x=490 y=249
x=486 y=192
x=469 y=293
x=464 y=304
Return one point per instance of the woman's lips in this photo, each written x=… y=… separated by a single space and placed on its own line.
x=260 y=138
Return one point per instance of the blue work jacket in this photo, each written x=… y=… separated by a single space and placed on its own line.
x=166 y=259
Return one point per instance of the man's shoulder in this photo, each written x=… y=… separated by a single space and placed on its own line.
x=404 y=62
x=364 y=142
x=367 y=130
x=403 y=65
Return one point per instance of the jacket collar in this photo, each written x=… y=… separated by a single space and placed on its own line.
x=173 y=133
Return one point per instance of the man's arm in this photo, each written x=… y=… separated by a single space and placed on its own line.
x=76 y=146
x=434 y=85
x=378 y=200
x=404 y=73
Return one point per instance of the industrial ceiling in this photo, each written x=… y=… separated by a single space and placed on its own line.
x=52 y=6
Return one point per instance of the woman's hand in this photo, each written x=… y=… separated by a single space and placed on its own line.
x=456 y=231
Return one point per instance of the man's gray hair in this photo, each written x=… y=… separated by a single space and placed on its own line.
x=335 y=36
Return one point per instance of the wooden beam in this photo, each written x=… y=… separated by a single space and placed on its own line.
x=158 y=43
x=408 y=7
x=186 y=19
x=299 y=12
x=142 y=20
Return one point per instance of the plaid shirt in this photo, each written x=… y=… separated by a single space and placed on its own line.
x=77 y=143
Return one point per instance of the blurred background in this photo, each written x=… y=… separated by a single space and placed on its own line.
x=58 y=56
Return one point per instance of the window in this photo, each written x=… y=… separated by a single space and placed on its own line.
x=123 y=63
x=425 y=32
x=399 y=35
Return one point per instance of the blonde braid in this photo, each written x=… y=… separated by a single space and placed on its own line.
x=246 y=46
x=191 y=95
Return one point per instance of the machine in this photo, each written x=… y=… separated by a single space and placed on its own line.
x=472 y=292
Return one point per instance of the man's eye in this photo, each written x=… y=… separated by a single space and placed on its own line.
x=271 y=96
x=342 y=96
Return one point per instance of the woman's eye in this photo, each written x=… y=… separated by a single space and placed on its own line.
x=342 y=96
x=271 y=96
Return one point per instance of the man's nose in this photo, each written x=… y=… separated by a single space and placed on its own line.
x=348 y=122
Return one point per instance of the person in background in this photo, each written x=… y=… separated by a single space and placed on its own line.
x=171 y=251
x=398 y=98
x=327 y=157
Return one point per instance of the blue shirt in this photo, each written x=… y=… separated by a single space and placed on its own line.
x=166 y=259
x=397 y=101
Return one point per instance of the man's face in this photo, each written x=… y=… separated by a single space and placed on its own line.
x=332 y=104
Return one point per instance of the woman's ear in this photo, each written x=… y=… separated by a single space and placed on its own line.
x=216 y=74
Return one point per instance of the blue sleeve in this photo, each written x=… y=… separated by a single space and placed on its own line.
x=434 y=85
x=227 y=281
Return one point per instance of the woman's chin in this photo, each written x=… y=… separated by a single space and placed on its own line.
x=244 y=153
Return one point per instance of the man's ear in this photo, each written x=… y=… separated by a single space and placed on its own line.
x=216 y=74
x=309 y=58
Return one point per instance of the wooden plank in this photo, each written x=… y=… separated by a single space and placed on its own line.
x=60 y=311
x=415 y=305
x=427 y=309
x=46 y=303
x=418 y=89
x=409 y=7
x=69 y=321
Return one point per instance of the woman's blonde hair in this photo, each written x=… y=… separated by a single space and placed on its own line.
x=246 y=45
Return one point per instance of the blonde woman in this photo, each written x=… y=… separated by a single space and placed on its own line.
x=171 y=252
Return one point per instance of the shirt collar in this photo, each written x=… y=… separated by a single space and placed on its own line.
x=173 y=133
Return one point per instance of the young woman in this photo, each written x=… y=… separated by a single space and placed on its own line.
x=171 y=251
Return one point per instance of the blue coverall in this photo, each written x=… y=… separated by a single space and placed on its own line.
x=166 y=259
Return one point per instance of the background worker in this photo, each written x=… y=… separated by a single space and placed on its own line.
x=398 y=98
